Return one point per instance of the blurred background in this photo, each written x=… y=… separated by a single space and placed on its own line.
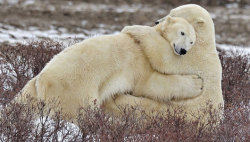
x=70 y=21
x=26 y=20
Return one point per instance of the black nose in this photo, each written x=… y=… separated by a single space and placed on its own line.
x=157 y=22
x=183 y=51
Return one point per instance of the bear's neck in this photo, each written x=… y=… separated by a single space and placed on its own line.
x=158 y=28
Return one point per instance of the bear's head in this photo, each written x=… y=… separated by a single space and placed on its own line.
x=200 y=19
x=179 y=33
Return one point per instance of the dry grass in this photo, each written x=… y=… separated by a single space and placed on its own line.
x=18 y=123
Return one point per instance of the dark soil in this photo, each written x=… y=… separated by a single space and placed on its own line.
x=231 y=21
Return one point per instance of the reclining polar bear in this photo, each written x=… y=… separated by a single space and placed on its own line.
x=202 y=59
x=90 y=72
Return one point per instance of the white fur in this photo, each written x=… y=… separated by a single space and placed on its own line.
x=94 y=70
x=202 y=59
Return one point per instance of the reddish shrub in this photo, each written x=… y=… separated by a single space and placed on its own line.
x=235 y=78
x=18 y=123
x=21 y=62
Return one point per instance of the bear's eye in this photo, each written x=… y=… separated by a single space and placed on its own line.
x=182 y=33
x=191 y=42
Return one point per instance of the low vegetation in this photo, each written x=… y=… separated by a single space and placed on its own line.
x=21 y=62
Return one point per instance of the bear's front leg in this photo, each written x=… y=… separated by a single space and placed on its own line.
x=166 y=87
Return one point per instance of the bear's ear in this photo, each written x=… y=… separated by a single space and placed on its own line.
x=167 y=21
x=170 y=20
x=199 y=20
x=159 y=21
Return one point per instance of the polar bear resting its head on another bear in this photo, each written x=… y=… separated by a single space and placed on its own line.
x=181 y=38
x=202 y=59
x=92 y=71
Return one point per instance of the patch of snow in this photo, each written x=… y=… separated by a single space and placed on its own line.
x=245 y=49
x=87 y=7
x=134 y=8
x=108 y=7
x=69 y=128
x=84 y=22
x=232 y=5
x=13 y=2
x=128 y=8
x=51 y=8
x=240 y=50
x=12 y=34
x=245 y=17
x=29 y=2
x=70 y=3
x=10 y=2
x=7 y=69
x=101 y=25
x=213 y=15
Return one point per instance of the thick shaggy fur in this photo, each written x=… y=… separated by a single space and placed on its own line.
x=202 y=60
x=92 y=71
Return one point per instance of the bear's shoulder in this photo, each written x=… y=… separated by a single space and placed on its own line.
x=139 y=30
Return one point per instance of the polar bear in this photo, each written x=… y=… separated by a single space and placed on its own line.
x=202 y=59
x=181 y=37
x=90 y=72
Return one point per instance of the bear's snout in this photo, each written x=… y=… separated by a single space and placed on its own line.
x=183 y=51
